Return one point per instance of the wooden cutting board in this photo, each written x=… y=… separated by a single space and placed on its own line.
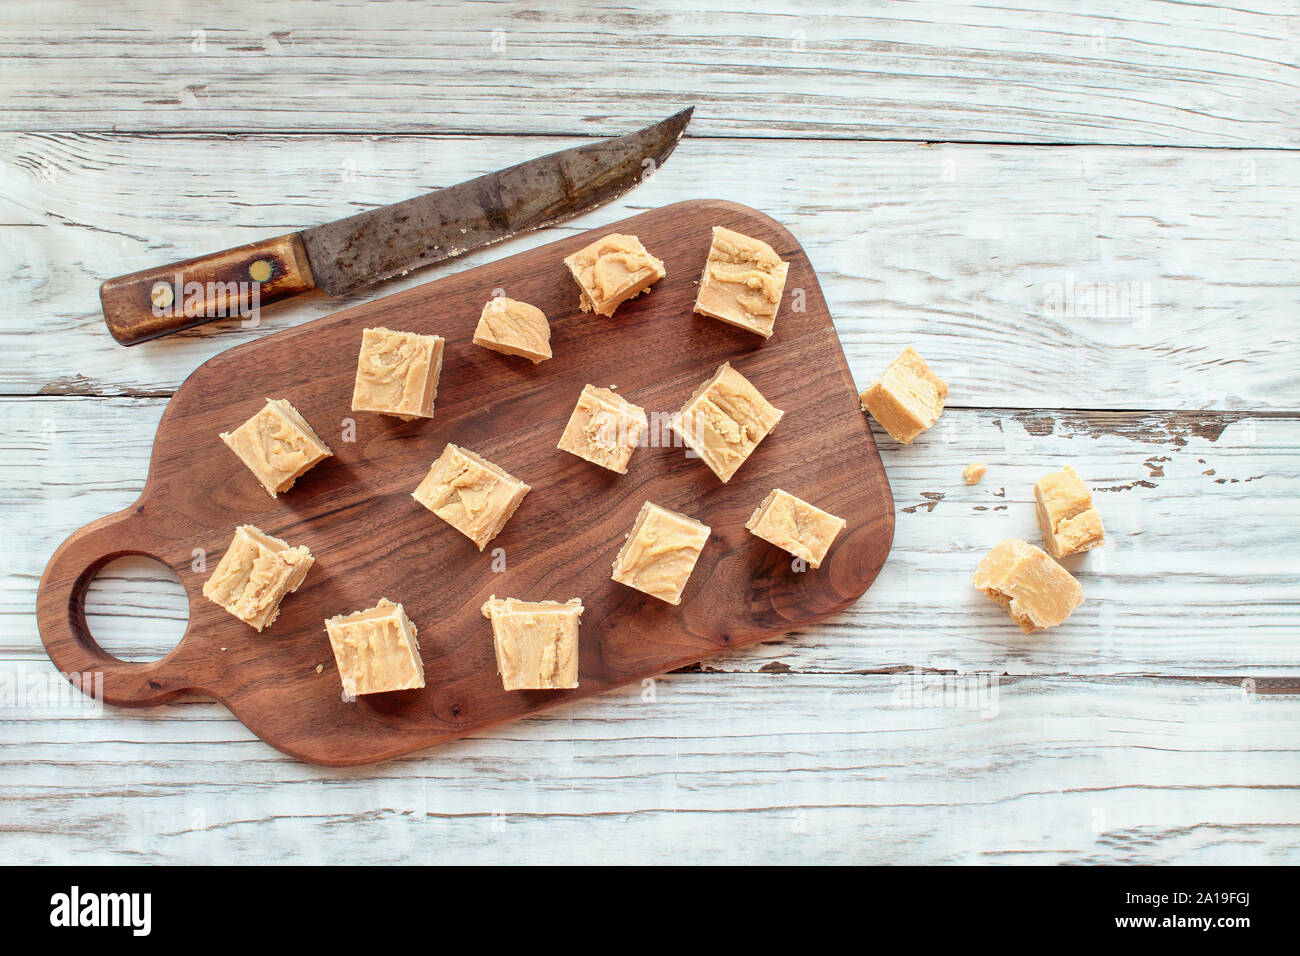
x=372 y=540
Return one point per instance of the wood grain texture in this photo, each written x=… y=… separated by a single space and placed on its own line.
x=370 y=540
x=1191 y=257
x=790 y=749
x=1171 y=594
x=701 y=768
x=233 y=283
x=1048 y=71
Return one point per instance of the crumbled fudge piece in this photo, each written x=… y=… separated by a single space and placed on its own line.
x=376 y=650
x=605 y=428
x=277 y=445
x=908 y=398
x=793 y=525
x=255 y=574
x=1037 y=591
x=742 y=282
x=973 y=473
x=1066 y=516
x=536 y=642
x=470 y=493
x=397 y=373
x=514 y=328
x=660 y=552
x=611 y=270
x=724 y=421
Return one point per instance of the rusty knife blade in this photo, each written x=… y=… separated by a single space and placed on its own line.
x=393 y=240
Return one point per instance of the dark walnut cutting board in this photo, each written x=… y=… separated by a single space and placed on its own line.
x=372 y=540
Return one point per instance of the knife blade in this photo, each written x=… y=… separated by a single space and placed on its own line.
x=342 y=256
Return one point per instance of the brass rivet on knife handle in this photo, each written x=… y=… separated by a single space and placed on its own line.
x=234 y=284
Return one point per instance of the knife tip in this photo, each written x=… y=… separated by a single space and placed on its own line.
x=680 y=119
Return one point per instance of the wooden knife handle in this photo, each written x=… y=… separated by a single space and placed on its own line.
x=231 y=284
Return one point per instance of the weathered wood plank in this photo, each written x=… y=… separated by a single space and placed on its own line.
x=984 y=256
x=723 y=768
x=1121 y=71
x=1030 y=277
x=1200 y=513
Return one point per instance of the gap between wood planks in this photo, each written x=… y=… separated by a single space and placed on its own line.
x=1192 y=418
x=1262 y=685
x=207 y=132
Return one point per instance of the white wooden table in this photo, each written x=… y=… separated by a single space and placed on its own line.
x=1089 y=224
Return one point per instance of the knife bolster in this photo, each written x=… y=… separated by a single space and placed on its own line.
x=234 y=284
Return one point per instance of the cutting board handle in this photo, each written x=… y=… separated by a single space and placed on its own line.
x=61 y=616
x=231 y=284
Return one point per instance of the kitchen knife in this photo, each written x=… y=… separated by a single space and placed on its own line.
x=389 y=241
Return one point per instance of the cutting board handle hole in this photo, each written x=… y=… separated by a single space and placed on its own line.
x=136 y=609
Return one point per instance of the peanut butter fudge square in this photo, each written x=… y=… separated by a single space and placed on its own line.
x=795 y=526
x=536 y=642
x=1068 y=521
x=660 y=552
x=277 y=446
x=514 y=328
x=255 y=574
x=376 y=650
x=612 y=270
x=470 y=493
x=1035 y=590
x=604 y=429
x=907 y=399
x=397 y=373
x=724 y=421
x=742 y=282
